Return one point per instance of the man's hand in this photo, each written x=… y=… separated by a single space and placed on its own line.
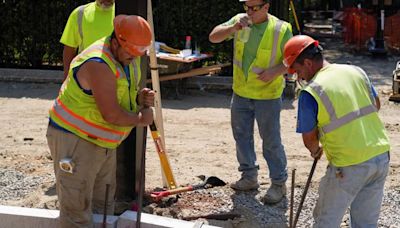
x=317 y=153
x=267 y=75
x=146 y=97
x=145 y=116
x=271 y=73
x=244 y=21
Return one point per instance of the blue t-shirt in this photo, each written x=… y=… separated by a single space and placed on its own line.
x=308 y=111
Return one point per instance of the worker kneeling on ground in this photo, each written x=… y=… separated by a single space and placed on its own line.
x=338 y=107
x=93 y=113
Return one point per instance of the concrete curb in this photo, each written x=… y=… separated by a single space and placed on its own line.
x=56 y=76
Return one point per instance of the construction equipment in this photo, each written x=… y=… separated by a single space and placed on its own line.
x=166 y=168
x=376 y=45
x=209 y=182
x=141 y=179
x=396 y=84
x=303 y=196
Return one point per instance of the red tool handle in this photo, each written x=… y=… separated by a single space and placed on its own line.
x=159 y=195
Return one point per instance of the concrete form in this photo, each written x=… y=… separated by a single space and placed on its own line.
x=23 y=217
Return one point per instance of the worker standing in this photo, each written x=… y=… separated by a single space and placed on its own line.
x=258 y=83
x=93 y=113
x=86 y=24
x=338 y=116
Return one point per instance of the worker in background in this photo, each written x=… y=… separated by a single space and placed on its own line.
x=93 y=113
x=257 y=88
x=86 y=24
x=338 y=116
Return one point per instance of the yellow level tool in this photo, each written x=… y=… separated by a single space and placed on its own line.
x=166 y=168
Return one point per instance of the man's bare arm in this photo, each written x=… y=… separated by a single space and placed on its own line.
x=221 y=32
x=68 y=54
x=99 y=78
x=311 y=142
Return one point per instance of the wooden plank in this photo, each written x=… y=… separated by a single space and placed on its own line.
x=194 y=72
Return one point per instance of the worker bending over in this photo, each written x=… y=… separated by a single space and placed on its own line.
x=93 y=113
x=338 y=116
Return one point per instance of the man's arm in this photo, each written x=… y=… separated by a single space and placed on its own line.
x=99 y=78
x=68 y=54
x=311 y=142
x=223 y=31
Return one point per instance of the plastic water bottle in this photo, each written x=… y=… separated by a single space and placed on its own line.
x=244 y=33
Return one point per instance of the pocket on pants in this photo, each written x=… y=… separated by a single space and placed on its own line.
x=73 y=194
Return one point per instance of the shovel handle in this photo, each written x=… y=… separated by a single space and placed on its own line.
x=161 y=194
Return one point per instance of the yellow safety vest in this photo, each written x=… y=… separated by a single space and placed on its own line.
x=349 y=127
x=268 y=55
x=77 y=111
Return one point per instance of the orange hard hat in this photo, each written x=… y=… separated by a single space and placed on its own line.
x=133 y=33
x=294 y=47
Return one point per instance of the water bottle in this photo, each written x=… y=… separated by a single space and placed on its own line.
x=244 y=33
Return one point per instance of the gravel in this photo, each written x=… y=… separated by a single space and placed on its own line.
x=15 y=185
x=248 y=205
x=239 y=209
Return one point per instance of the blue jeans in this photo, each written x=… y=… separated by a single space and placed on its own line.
x=359 y=187
x=267 y=114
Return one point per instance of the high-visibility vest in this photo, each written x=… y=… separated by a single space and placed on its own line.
x=350 y=130
x=268 y=55
x=77 y=111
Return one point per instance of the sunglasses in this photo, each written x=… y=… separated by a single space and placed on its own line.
x=253 y=8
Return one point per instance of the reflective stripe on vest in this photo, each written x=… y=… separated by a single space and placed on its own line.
x=106 y=51
x=273 y=59
x=86 y=127
x=81 y=10
x=336 y=122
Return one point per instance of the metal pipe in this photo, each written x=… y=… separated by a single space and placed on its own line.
x=304 y=193
x=292 y=198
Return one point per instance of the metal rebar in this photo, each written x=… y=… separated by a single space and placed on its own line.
x=105 y=206
x=304 y=193
x=292 y=198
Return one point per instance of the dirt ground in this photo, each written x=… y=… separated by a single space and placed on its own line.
x=197 y=129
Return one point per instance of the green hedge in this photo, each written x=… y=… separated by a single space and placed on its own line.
x=30 y=30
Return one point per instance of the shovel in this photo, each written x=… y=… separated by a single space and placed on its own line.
x=209 y=182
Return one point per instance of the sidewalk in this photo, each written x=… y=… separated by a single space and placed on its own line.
x=30 y=75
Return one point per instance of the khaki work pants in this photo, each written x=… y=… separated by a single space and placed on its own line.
x=84 y=190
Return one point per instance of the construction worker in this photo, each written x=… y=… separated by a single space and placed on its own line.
x=86 y=24
x=338 y=116
x=257 y=88
x=93 y=113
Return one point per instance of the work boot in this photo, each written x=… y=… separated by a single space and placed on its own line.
x=275 y=193
x=245 y=184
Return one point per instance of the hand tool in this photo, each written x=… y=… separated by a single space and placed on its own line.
x=209 y=182
x=305 y=192
x=165 y=165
